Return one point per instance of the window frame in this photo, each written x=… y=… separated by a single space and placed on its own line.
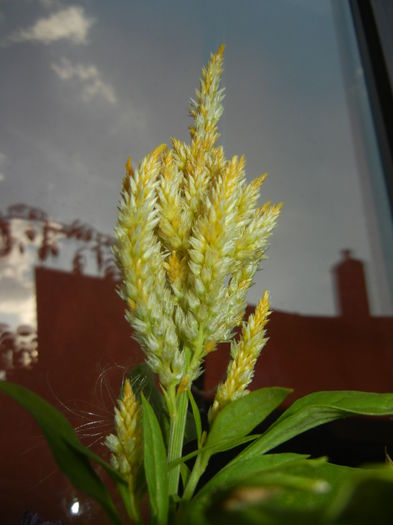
x=376 y=55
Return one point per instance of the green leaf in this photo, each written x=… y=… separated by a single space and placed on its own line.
x=365 y=499
x=306 y=413
x=239 y=417
x=142 y=381
x=197 y=417
x=190 y=430
x=210 y=451
x=156 y=469
x=231 y=475
x=185 y=473
x=70 y=455
x=120 y=482
x=176 y=440
x=308 y=492
x=295 y=493
x=316 y=409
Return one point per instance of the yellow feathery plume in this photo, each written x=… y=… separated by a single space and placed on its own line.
x=211 y=246
x=252 y=243
x=129 y=173
x=176 y=270
x=210 y=346
x=169 y=203
x=207 y=109
x=235 y=303
x=180 y=153
x=126 y=443
x=129 y=168
x=244 y=356
x=189 y=240
x=201 y=154
x=249 y=198
x=140 y=258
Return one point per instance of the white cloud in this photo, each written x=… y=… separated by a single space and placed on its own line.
x=17 y=297
x=70 y=23
x=89 y=77
x=15 y=266
x=19 y=311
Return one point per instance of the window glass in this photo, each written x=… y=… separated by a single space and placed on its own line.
x=83 y=86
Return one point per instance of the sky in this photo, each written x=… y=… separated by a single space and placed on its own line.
x=86 y=83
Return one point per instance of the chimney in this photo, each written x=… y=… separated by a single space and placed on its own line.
x=351 y=287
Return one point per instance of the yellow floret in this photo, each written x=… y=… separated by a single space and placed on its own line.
x=244 y=356
x=189 y=241
x=126 y=443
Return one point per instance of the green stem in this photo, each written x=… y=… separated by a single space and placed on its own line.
x=176 y=437
x=135 y=513
x=197 y=471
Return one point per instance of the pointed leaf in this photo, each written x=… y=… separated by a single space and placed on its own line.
x=69 y=453
x=316 y=409
x=210 y=450
x=239 y=417
x=197 y=416
x=185 y=473
x=120 y=482
x=305 y=493
x=230 y=475
x=142 y=382
x=190 y=429
x=156 y=469
x=245 y=469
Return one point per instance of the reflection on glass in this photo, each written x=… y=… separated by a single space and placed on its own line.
x=350 y=351
x=76 y=99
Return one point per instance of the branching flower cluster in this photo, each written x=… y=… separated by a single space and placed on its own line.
x=189 y=239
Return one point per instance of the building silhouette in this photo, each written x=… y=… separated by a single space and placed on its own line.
x=82 y=332
x=351 y=351
x=85 y=346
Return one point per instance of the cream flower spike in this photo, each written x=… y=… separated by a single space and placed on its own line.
x=244 y=355
x=207 y=108
x=189 y=239
x=126 y=444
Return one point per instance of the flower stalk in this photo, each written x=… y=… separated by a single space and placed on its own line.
x=176 y=438
x=189 y=239
x=126 y=444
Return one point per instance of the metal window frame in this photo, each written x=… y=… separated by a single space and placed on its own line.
x=377 y=59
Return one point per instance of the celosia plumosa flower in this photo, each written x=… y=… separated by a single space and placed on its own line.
x=189 y=239
x=126 y=444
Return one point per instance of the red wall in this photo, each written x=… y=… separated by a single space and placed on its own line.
x=85 y=346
